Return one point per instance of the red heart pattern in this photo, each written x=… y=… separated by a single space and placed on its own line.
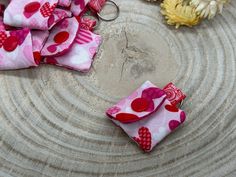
x=20 y=34
x=31 y=9
x=3 y=37
x=145 y=139
x=182 y=117
x=171 y=108
x=28 y=14
x=80 y=3
x=173 y=124
x=152 y=93
x=51 y=61
x=158 y=124
x=127 y=118
x=46 y=10
x=51 y=21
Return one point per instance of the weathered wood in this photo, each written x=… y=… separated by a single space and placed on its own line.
x=52 y=121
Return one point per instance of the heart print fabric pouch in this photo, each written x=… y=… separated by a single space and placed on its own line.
x=147 y=116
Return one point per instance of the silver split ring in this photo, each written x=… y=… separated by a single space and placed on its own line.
x=117 y=12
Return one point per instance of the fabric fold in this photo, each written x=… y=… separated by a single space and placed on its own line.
x=40 y=15
x=16 y=50
x=80 y=56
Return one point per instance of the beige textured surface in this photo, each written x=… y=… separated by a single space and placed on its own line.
x=52 y=121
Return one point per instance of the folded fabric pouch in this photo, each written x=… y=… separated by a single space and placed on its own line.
x=81 y=54
x=53 y=36
x=41 y=15
x=147 y=116
x=14 y=45
x=61 y=37
x=39 y=38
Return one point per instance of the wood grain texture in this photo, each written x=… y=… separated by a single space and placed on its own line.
x=52 y=121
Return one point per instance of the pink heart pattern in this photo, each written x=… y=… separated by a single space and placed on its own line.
x=54 y=17
x=3 y=37
x=155 y=125
x=80 y=3
x=145 y=139
x=28 y=15
x=46 y=10
x=20 y=34
x=173 y=124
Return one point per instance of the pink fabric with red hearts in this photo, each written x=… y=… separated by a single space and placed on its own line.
x=64 y=3
x=77 y=6
x=174 y=95
x=33 y=14
x=87 y=23
x=22 y=49
x=97 y=4
x=51 y=32
x=38 y=39
x=147 y=116
x=69 y=27
x=84 y=47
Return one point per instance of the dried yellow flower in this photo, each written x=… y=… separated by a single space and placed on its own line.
x=208 y=8
x=179 y=13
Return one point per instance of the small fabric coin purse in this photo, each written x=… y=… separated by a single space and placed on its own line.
x=81 y=54
x=147 y=116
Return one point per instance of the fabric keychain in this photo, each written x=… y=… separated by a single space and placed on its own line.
x=94 y=9
x=69 y=43
x=85 y=46
x=81 y=54
x=61 y=37
x=80 y=51
x=148 y=115
x=90 y=17
x=97 y=5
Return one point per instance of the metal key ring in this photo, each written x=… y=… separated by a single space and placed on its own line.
x=117 y=12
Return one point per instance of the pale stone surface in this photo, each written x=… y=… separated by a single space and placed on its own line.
x=52 y=121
